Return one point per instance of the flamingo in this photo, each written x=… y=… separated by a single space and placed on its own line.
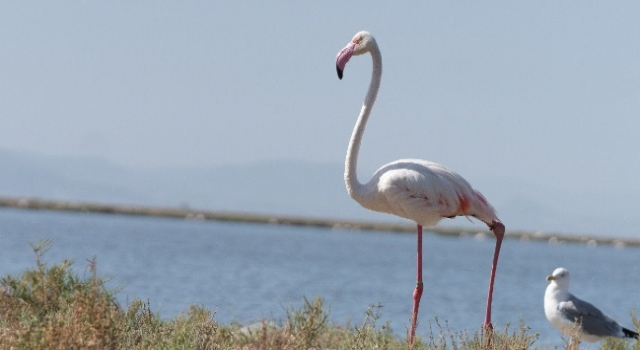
x=414 y=189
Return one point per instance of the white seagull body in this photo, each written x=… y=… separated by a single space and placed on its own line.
x=576 y=317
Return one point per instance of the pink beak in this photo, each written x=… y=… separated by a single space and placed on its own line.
x=343 y=57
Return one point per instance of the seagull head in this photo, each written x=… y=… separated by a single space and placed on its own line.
x=560 y=277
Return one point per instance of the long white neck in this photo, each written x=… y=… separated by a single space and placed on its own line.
x=354 y=187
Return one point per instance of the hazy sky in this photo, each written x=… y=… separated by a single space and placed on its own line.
x=546 y=91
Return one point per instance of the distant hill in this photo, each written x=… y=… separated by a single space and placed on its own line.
x=282 y=187
x=297 y=188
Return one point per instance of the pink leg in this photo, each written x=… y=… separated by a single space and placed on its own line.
x=498 y=230
x=417 y=293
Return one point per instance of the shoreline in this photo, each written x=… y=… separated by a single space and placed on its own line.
x=210 y=215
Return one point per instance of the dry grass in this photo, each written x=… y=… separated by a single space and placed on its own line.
x=49 y=307
x=571 y=342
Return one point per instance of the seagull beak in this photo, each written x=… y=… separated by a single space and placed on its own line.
x=551 y=278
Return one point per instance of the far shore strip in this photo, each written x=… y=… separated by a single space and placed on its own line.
x=195 y=214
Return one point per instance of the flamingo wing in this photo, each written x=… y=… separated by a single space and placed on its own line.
x=426 y=192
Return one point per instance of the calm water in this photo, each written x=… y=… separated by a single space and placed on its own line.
x=245 y=272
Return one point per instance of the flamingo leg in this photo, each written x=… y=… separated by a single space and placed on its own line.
x=417 y=293
x=498 y=230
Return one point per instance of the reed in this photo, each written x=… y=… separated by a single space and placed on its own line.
x=50 y=307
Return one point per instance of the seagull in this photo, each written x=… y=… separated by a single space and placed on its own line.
x=576 y=317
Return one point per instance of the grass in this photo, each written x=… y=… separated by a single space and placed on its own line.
x=50 y=307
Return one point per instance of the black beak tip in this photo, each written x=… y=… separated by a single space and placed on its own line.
x=339 y=72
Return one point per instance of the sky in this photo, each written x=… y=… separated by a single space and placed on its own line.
x=547 y=92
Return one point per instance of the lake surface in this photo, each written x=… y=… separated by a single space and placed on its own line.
x=245 y=272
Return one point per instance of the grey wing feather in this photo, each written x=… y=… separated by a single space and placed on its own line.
x=593 y=321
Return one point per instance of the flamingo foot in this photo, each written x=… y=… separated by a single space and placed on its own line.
x=417 y=294
x=488 y=333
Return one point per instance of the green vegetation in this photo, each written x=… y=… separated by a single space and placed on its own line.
x=50 y=307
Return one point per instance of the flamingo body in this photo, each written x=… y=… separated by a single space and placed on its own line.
x=424 y=192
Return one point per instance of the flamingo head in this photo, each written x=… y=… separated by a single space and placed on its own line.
x=360 y=44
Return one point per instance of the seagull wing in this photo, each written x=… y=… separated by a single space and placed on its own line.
x=592 y=320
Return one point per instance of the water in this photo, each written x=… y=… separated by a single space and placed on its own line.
x=246 y=272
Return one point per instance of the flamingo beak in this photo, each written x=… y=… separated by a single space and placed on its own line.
x=343 y=57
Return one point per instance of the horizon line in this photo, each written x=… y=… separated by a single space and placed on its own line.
x=186 y=213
